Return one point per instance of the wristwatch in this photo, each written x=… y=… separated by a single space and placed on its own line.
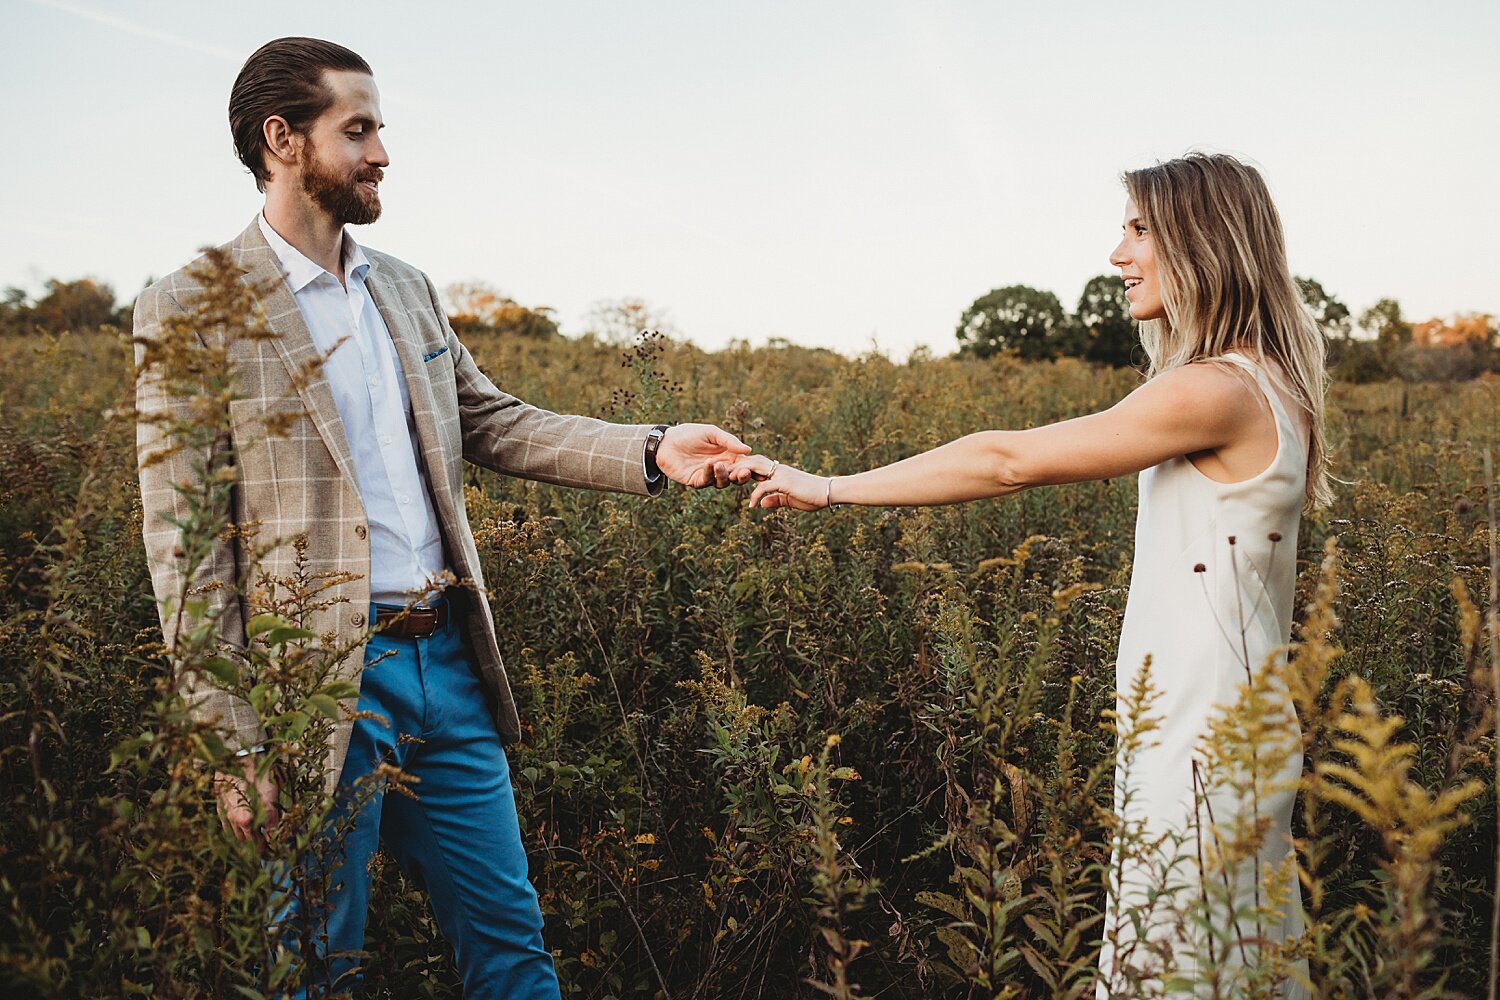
x=653 y=442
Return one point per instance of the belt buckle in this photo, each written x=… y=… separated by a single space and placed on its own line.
x=421 y=623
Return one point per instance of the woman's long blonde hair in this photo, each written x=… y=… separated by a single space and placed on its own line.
x=1225 y=284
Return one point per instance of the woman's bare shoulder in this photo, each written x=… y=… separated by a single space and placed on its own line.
x=1213 y=390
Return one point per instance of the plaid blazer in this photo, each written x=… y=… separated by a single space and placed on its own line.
x=302 y=483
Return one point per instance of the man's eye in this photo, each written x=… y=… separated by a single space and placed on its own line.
x=355 y=135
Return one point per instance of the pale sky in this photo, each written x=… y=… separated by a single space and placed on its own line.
x=838 y=174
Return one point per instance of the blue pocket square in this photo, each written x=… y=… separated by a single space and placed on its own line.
x=440 y=351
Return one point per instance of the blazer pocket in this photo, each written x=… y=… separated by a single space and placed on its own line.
x=433 y=354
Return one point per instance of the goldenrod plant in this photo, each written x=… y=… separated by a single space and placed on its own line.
x=682 y=662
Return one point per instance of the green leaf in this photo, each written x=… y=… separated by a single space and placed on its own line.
x=262 y=697
x=296 y=724
x=323 y=703
x=125 y=750
x=214 y=749
x=286 y=633
x=222 y=669
x=942 y=901
x=262 y=623
x=341 y=689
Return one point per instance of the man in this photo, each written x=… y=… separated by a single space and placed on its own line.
x=369 y=471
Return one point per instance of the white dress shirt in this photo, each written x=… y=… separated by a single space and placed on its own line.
x=369 y=388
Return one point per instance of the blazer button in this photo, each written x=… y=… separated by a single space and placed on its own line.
x=357 y=620
x=360 y=532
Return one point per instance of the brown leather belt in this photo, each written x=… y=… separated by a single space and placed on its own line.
x=413 y=623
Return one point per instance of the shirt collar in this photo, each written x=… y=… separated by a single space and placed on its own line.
x=301 y=272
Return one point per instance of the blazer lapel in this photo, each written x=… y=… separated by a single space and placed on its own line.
x=293 y=342
x=409 y=348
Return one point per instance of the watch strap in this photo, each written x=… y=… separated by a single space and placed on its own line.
x=653 y=442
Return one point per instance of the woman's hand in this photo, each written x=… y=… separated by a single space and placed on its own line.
x=780 y=485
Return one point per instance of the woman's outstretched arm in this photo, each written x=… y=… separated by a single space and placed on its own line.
x=1192 y=409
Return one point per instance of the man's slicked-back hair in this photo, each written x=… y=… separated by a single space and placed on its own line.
x=283 y=77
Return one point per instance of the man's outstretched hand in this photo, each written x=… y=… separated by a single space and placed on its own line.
x=694 y=454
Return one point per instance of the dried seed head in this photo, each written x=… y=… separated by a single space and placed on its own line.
x=1231 y=539
x=1274 y=536
x=1200 y=568
x=1462 y=504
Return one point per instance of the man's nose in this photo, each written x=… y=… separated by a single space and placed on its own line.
x=377 y=156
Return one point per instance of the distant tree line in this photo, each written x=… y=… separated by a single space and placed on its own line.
x=1033 y=324
x=1380 y=344
x=1029 y=322
x=88 y=304
x=474 y=307
x=63 y=307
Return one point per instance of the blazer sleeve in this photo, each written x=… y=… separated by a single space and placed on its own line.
x=502 y=433
x=168 y=474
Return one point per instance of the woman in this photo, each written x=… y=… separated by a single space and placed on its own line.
x=1227 y=435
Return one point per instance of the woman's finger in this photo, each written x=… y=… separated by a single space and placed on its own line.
x=757 y=465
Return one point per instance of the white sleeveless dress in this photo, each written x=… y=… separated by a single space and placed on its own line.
x=1211 y=595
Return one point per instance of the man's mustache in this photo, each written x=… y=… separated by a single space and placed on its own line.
x=377 y=175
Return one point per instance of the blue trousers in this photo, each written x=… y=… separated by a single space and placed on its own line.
x=459 y=838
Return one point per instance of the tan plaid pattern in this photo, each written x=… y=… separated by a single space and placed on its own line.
x=303 y=483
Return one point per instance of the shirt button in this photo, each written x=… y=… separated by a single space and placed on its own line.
x=357 y=620
x=374 y=381
x=385 y=439
x=360 y=531
x=405 y=498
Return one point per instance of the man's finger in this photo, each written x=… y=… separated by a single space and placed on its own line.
x=719 y=436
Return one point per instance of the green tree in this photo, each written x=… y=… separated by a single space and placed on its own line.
x=1107 y=332
x=1384 y=322
x=1017 y=318
x=1331 y=314
x=475 y=307
x=65 y=307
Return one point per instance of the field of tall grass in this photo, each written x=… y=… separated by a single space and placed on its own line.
x=858 y=753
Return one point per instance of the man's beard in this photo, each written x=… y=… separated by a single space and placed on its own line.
x=342 y=197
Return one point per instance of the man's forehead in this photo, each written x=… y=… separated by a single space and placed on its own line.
x=353 y=92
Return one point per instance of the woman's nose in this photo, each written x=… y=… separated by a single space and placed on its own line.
x=1117 y=257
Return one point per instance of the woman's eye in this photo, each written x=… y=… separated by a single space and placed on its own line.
x=1140 y=230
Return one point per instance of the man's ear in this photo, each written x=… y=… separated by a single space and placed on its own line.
x=283 y=143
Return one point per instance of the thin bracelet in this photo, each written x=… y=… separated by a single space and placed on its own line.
x=828 y=497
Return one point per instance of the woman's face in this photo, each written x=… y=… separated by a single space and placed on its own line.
x=1136 y=259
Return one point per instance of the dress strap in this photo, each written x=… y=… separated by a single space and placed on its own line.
x=1268 y=389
